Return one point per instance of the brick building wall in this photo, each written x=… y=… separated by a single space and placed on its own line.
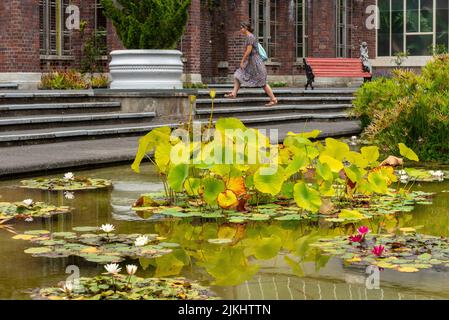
x=19 y=41
x=212 y=45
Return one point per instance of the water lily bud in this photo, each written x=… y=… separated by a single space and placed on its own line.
x=212 y=93
x=131 y=269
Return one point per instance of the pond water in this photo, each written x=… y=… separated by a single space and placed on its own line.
x=253 y=266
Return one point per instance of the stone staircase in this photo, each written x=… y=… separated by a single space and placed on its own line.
x=47 y=117
x=8 y=86
x=298 y=109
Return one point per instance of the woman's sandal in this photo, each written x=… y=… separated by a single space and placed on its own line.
x=272 y=103
x=229 y=95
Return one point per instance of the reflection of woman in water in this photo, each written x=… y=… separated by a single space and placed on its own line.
x=252 y=71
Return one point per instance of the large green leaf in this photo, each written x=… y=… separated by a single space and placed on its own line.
x=148 y=143
x=212 y=188
x=306 y=197
x=407 y=152
x=229 y=124
x=299 y=162
x=269 y=183
x=336 y=149
x=370 y=153
x=334 y=164
x=177 y=175
x=378 y=182
x=324 y=171
x=162 y=156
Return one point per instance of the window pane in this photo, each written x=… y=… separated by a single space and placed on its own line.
x=442 y=23
x=426 y=15
x=383 y=35
x=419 y=45
x=397 y=27
x=412 y=15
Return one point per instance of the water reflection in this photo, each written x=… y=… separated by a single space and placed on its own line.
x=263 y=261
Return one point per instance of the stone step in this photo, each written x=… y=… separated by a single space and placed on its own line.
x=254 y=110
x=204 y=93
x=51 y=135
x=37 y=122
x=289 y=117
x=57 y=108
x=257 y=101
x=9 y=86
x=16 y=160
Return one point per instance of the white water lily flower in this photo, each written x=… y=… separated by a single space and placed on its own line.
x=131 y=269
x=402 y=172
x=113 y=268
x=28 y=202
x=438 y=173
x=404 y=178
x=141 y=241
x=29 y=219
x=107 y=228
x=354 y=138
x=69 y=176
x=69 y=195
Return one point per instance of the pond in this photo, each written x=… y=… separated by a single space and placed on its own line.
x=265 y=260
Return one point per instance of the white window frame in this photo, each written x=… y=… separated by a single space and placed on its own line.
x=405 y=32
x=266 y=38
x=342 y=12
x=47 y=51
x=303 y=37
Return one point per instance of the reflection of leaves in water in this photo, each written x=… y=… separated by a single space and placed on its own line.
x=229 y=267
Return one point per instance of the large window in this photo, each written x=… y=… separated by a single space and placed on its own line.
x=100 y=27
x=301 y=28
x=264 y=19
x=54 y=37
x=343 y=36
x=414 y=26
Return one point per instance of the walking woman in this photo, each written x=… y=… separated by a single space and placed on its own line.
x=252 y=71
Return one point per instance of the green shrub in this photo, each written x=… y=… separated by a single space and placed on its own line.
x=278 y=84
x=63 y=80
x=148 y=24
x=196 y=85
x=99 y=81
x=409 y=108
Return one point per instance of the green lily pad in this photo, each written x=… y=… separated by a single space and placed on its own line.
x=57 y=184
x=220 y=241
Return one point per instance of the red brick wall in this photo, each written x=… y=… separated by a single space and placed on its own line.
x=236 y=13
x=213 y=35
x=191 y=42
x=322 y=35
x=19 y=36
x=359 y=31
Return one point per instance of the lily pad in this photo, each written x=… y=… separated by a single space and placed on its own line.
x=34 y=209
x=122 y=288
x=61 y=184
x=219 y=241
x=404 y=253
x=94 y=247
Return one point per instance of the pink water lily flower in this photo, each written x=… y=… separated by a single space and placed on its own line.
x=378 y=250
x=357 y=238
x=363 y=230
